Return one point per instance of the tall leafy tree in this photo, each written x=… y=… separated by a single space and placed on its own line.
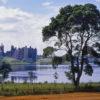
x=75 y=28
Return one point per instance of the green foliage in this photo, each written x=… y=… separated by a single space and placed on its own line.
x=33 y=89
x=68 y=57
x=75 y=69
x=69 y=75
x=85 y=50
x=97 y=45
x=48 y=30
x=5 y=68
x=56 y=75
x=88 y=70
x=74 y=27
x=95 y=54
x=12 y=61
x=48 y=51
x=70 y=16
x=10 y=89
x=56 y=61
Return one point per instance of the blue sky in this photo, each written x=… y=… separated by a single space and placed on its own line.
x=36 y=5
x=21 y=21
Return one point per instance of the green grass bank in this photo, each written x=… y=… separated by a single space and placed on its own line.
x=10 y=89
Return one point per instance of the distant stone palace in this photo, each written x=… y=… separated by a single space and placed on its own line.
x=28 y=54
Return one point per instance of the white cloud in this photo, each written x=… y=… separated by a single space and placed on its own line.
x=47 y=3
x=51 y=7
x=54 y=9
x=21 y=28
x=98 y=0
x=4 y=1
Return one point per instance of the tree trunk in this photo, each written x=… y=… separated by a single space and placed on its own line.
x=76 y=84
x=76 y=80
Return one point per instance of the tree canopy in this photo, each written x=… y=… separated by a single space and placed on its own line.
x=76 y=28
x=48 y=51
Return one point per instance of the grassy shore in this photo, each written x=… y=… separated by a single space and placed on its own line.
x=10 y=89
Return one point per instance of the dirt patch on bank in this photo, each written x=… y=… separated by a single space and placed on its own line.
x=68 y=96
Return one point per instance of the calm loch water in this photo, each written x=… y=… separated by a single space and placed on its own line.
x=45 y=73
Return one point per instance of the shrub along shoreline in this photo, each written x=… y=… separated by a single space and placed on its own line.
x=11 y=89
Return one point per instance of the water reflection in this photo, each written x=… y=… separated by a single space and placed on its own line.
x=48 y=74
